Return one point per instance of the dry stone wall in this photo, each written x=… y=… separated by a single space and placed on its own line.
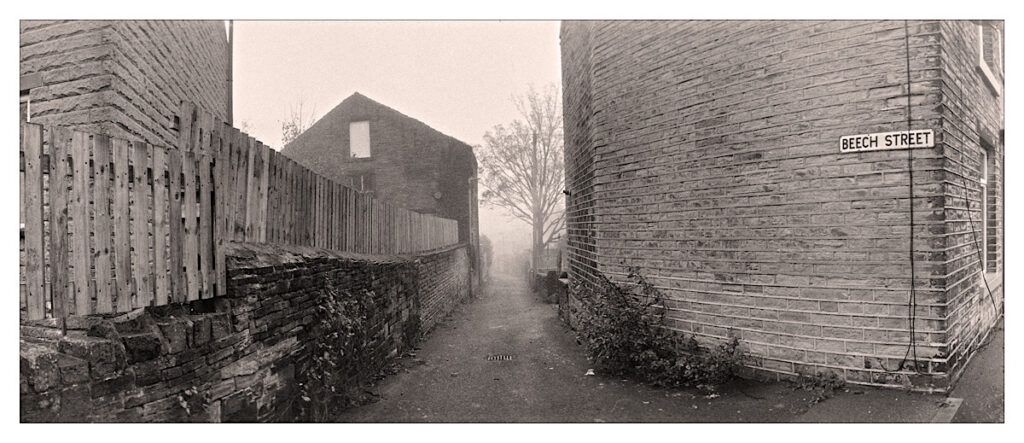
x=235 y=358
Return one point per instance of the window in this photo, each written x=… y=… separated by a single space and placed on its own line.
x=359 y=139
x=990 y=55
x=25 y=97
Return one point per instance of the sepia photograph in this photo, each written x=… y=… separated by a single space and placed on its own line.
x=566 y=220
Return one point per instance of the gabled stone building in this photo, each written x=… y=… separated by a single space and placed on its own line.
x=378 y=150
x=709 y=154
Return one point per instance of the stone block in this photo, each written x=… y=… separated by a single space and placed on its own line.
x=201 y=330
x=73 y=370
x=39 y=367
x=239 y=408
x=175 y=336
x=141 y=347
x=220 y=326
x=114 y=385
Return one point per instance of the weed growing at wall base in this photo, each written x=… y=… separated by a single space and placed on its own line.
x=623 y=332
x=339 y=354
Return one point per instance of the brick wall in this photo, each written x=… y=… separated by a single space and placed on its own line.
x=443 y=284
x=706 y=154
x=240 y=354
x=973 y=120
x=125 y=78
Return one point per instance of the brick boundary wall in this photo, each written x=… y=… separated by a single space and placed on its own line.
x=124 y=78
x=706 y=154
x=240 y=353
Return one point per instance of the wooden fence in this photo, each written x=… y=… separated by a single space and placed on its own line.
x=112 y=225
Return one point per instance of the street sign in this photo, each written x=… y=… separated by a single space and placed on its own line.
x=921 y=138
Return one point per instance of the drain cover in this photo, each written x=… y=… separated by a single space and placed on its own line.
x=499 y=357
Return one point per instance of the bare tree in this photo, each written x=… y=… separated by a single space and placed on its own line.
x=523 y=168
x=296 y=123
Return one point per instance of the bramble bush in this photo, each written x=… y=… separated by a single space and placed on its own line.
x=624 y=334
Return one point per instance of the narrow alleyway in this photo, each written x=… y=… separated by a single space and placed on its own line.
x=451 y=380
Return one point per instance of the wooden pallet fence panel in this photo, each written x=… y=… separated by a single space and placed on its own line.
x=176 y=229
x=205 y=175
x=222 y=190
x=331 y=216
x=294 y=197
x=251 y=187
x=324 y=214
x=124 y=280
x=271 y=195
x=307 y=203
x=103 y=216
x=140 y=213
x=322 y=209
x=350 y=219
x=314 y=206
x=362 y=223
x=60 y=146
x=81 y=279
x=161 y=277
x=241 y=185
x=190 y=214
x=35 y=277
x=338 y=214
x=293 y=203
x=264 y=202
x=328 y=214
x=318 y=208
x=287 y=200
x=276 y=223
x=308 y=198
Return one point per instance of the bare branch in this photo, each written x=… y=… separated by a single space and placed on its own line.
x=522 y=168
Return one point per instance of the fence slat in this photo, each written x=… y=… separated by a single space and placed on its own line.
x=60 y=143
x=175 y=228
x=80 y=253
x=206 y=245
x=140 y=213
x=190 y=213
x=263 y=195
x=271 y=197
x=102 y=221
x=222 y=214
x=318 y=207
x=204 y=171
x=161 y=227
x=252 y=188
x=124 y=281
x=241 y=153
x=35 y=277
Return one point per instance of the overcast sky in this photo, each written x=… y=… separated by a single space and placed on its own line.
x=457 y=77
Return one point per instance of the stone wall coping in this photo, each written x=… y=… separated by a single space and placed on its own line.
x=258 y=255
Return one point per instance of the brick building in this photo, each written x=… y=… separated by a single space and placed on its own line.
x=375 y=149
x=124 y=78
x=707 y=154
